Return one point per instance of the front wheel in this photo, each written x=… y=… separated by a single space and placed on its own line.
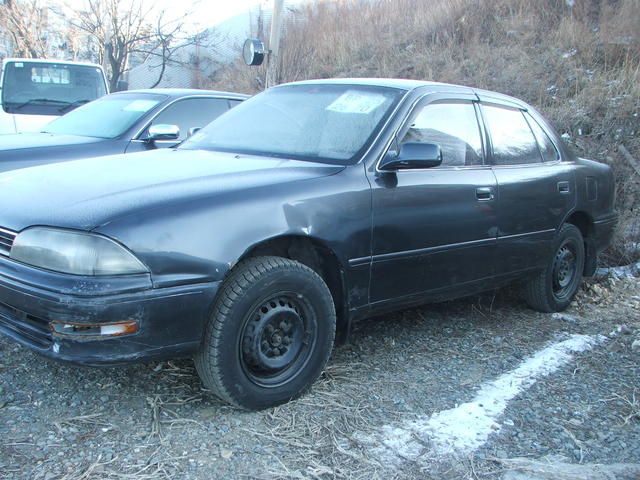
x=554 y=288
x=270 y=334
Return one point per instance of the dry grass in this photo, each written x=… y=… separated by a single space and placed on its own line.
x=580 y=66
x=630 y=406
x=318 y=428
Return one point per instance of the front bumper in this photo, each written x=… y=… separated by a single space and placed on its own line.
x=171 y=320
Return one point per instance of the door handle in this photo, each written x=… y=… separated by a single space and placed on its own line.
x=484 y=194
x=563 y=187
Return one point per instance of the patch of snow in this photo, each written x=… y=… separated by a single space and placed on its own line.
x=466 y=427
x=626 y=271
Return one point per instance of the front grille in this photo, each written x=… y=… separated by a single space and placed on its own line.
x=32 y=329
x=6 y=240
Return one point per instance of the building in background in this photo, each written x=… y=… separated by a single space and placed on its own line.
x=189 y=67
x=197 y=63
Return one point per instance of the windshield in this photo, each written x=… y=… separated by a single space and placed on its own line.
x=107 y=117
x=319 y=122
x=36 y=88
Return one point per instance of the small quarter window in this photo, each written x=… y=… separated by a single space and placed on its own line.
x=512 y=139
x=547 y=148
x=452 y=126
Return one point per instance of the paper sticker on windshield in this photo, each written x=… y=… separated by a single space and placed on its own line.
x=140 y=105
x=353 y=101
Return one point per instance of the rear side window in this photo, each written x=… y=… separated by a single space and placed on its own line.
x=547 y=148
x=452 y=126
x=512 y=139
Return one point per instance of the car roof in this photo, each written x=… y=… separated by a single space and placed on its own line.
x=408 y=85
x=46 y=60
x=400 y=83
x=185 y=92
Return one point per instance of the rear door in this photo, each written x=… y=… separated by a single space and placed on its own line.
x=435 y=228
x=536 y=189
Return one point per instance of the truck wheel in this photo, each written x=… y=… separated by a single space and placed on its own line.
x=270 y=333
x=553 y=289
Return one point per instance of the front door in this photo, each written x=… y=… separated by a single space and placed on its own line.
x=435 y=228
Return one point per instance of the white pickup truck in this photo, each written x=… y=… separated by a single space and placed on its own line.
x=34 y=91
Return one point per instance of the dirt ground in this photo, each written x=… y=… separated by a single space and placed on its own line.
x=154 y=420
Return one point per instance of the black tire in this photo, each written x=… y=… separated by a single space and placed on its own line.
x=553 y=289
x=270 y=333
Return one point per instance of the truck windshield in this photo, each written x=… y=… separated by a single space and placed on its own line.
x=39 y=88
x=330 y=123
x=107 y=117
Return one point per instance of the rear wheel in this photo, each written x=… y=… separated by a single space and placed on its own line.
x=270 y=334
x=554 y=288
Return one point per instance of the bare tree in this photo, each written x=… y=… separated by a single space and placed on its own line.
x=26 y=23
x=121 y=29
x=169 y=40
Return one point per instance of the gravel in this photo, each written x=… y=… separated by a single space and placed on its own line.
x=154 y=420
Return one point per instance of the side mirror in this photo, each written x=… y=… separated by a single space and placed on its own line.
x=413 y=155
x=193 y=130
x=163 y=132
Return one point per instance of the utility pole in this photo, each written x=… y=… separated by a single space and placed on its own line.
x=274 y=43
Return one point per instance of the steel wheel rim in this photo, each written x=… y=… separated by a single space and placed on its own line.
x=277 y=339
x=565 y=269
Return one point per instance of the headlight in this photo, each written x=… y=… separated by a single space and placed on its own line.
x=78 y=253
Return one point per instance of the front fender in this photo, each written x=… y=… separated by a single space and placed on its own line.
x=200 y=240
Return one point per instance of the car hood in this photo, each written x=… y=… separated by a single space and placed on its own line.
x=25 y=141
x=88 y=193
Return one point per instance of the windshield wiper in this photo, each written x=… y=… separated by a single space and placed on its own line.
x=39 y=101
x=72 y=105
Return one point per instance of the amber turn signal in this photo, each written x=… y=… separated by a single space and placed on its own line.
x=95 y=329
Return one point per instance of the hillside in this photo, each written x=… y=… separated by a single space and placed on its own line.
x=579 y=65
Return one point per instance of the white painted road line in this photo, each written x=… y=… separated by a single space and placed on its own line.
x=467 y=427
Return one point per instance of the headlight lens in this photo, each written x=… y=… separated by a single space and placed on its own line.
x=78 y=253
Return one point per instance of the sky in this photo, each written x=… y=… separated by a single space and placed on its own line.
x=203 y=13
x=215 y=11
x=207 y=12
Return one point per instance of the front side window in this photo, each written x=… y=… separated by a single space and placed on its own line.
x=331 y=123
x=107 y=117
x=37 y=88
x=547 y=148
x=191 y=113
x=512 y=139
x=452 y=126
